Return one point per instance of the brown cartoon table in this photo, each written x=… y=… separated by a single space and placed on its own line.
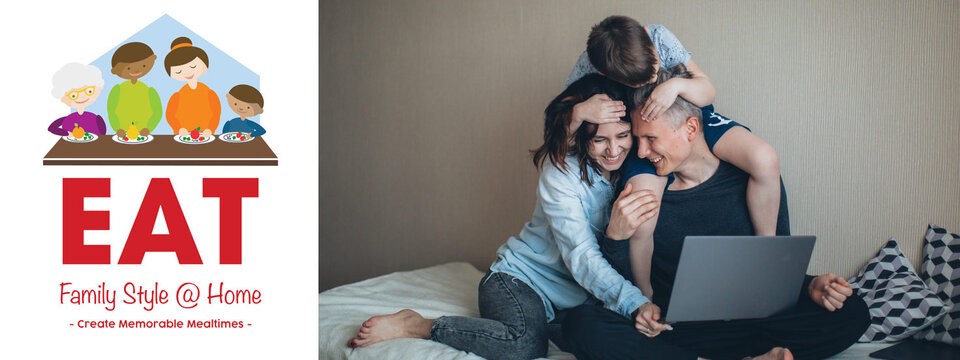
x=163 y=150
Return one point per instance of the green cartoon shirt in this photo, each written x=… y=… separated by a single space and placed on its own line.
x=133 y=103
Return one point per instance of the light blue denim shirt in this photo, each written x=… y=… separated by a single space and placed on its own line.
x=557 y=252
x=668 y=47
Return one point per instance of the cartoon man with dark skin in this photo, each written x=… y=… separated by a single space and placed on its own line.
x=133 y=102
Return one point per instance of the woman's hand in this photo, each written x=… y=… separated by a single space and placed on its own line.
x=661 y=98
x=599 y=109
x=647 y=320
x=629 y=211
x=829 y=291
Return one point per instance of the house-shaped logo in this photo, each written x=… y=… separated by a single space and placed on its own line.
x=168 y=97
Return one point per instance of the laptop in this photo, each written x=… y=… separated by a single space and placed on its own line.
x=738 y=277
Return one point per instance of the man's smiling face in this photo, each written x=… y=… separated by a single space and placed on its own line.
x=658 y=141
x=134 y=70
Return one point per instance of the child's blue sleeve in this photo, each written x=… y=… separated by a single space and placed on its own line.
x=257 y=129
x=633 y=166
x=715 y=125
x=228 y=127
x=582 y=68
x=669 y=48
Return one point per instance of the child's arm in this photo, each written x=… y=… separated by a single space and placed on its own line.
x=698 y=90
x=598 y=109
x=641 y=243
x=257 y=129
x=752 y=154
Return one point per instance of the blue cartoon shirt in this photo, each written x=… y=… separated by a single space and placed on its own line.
x=246 y=126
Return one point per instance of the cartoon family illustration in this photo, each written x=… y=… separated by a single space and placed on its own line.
x=134 y=109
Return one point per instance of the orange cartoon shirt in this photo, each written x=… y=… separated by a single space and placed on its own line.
x=193 y=108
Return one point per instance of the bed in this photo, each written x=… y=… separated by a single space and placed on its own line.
x=448 y=289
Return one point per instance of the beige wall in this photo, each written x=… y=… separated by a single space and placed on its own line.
x=429 y=109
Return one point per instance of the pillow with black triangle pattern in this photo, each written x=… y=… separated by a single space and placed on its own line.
x=941 y=272
x=900 y=303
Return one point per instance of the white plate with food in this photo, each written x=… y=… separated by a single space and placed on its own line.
x=236 y=137
x=137 y=141
x=194 y=139
x=87 y=137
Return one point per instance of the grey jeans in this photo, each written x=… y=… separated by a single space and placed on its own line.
x=513 y=322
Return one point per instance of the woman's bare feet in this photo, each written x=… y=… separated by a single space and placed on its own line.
x=405 y=323
x=777 y=353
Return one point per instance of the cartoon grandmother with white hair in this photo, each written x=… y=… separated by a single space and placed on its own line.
x=78 y=86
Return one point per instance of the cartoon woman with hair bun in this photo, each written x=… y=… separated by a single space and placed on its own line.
x=194 y=105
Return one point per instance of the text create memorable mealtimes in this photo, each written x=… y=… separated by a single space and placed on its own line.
x=159 y=195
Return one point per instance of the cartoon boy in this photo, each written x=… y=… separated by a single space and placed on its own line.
x=246 y=101
x=133 y=102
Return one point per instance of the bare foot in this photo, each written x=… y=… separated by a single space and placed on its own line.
x=777 y=353
x=405 y=323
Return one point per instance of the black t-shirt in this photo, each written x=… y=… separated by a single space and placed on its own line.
x=717 y=207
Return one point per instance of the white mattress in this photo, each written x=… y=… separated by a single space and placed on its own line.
x=448 y=289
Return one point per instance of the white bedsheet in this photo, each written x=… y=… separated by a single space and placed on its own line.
x=448 y=289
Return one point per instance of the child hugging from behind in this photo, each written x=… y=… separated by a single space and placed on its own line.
x=623 y=50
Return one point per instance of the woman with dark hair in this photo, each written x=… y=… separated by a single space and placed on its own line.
x=194 y=106
x=554 y=264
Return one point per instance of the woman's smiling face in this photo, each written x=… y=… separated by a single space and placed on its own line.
x=611 y=145
x=189 y=71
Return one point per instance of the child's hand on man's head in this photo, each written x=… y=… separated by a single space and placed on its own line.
x=599 y=109
x=661 y=98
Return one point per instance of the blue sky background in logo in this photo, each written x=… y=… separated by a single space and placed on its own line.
x=223 y=74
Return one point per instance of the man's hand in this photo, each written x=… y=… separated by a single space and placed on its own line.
x=599 y=109
x=829 y=291
x=629 y=211
x=647 y=320
x=661 y=98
